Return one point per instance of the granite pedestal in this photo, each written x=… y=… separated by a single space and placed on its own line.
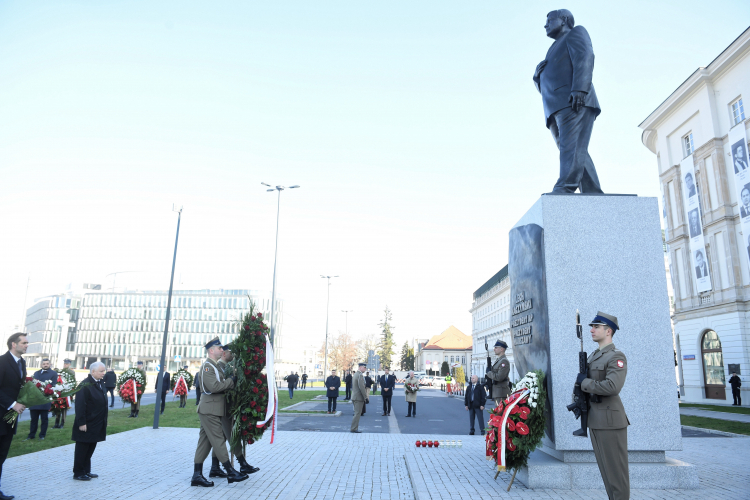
x=596 y=253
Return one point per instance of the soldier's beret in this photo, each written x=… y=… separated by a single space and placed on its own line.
x=502 y=344
x=213 y=342
x=605 y=319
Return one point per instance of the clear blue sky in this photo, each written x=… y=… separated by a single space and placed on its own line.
x=413 y=128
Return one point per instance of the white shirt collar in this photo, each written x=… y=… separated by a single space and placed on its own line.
x=14 y=356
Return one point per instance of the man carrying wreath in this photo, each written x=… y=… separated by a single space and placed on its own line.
x=211 y=411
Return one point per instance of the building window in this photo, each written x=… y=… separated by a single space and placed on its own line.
x=738 y=112
x=687 y=145
x=713 y=366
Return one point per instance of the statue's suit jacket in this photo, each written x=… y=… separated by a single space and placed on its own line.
x=570 y=66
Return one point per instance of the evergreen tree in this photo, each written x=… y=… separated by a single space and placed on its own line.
x=444 y=369
x=385 y=347
x=407 y=357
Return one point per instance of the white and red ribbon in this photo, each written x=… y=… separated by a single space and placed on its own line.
x=519 y=395
x=272 y=401
x=174 y=393
x=135 y=390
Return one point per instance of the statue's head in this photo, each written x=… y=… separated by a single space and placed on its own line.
x=559 y=22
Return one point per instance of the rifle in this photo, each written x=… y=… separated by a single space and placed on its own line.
x=488 y=380
x=580 y=404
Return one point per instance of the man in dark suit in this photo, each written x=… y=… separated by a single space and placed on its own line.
x=569 y=100
x=110 y=382
x=348 y=384
x=41 y=411
x=90 y=424
x=167 y=381
x=12 y=376
x=333 y=383
x=690 y=184
x=387 y=383
x=474 y=401
x=695 y=227
x=701 y=269
x=740 y=162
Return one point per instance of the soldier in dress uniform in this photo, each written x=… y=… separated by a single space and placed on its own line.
x=211 y=411
x=359 y=396
x=136 y=407
x=499 y=373
x=60 y=419
x=226 y=424
x=608 y=423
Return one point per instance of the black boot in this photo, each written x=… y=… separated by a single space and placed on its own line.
x=232 y=475
x=132 y=414
x=198 y=479
x=136 y=413
x=245 y=467
x=215 y=469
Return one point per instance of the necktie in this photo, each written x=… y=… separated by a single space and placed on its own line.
x=20 y=367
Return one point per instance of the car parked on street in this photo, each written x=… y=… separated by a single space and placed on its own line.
x=427 y=380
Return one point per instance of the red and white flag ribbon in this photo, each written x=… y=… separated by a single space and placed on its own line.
x=177 y=384
x=135 y=390
x=272 y=399
x=517 y=396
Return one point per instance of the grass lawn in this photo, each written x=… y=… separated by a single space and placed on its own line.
x=117 y=421
x=727 y=409
x=716 y=424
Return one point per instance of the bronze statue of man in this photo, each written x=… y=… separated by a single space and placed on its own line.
x=570 y=104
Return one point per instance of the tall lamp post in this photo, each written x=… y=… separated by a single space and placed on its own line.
x=275 y=255
x=160 y=379
x=328 y=302
x=347 y=319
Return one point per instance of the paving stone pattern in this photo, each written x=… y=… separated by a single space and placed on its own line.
x=146 y=464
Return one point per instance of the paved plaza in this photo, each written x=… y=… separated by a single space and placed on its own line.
x=147 y=463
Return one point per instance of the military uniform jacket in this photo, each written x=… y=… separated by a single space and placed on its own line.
x=499 y=376
x=607 y=370
x=359 y=391
x=213 y=385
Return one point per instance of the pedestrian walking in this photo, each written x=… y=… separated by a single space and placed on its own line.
x=90 y=423
x=411 y=396
x=12 y=375
x=499 y=373
x=348 y=385
x=387 y=384
x=736 y=383
x=41 y=411
x=291 y=383
x=333 y=383
x=359 y=396
x=296 y=380
x=210 y=412
x=166 y=382
x=304 y=380
x=110 y=382
x=608 y=423
x=60 y=419
x=474 y=401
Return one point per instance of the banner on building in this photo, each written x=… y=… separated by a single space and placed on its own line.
x=697 y=246
x=739 y=161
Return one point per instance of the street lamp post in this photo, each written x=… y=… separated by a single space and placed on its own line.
x=275 y=255
x=162 y=368
x=347 y=319
x=328 y=302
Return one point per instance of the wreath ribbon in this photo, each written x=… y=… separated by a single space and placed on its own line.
x=178 y=383
x=271 y=409
x=135 y=391
x=516 y=397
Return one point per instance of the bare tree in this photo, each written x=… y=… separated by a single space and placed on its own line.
x=365 y=344
x=342 y=351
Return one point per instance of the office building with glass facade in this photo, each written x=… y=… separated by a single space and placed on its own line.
x=122 y=328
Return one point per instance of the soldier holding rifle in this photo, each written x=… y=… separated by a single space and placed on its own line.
x=499 y=373
x=607 y=368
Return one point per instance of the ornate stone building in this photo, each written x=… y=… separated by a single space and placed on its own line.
x=712 y=335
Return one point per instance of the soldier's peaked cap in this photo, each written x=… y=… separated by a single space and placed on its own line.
x=605 y=319
x=363 y=364
x=66 y=361
x=502 y=344
x=213 y=342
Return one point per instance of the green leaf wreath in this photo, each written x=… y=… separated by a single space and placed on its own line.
x=249 y=398
x=524 y=425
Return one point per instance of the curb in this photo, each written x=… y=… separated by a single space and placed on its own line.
x=418 y=484
x=713 y=431
x=289 y=414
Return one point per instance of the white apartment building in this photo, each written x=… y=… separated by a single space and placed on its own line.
x=490 y=313
x=695 y=133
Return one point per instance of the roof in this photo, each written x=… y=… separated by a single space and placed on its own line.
x=497 y=278
x=451 y=339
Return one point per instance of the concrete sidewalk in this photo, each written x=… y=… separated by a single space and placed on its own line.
x=146 y=463
x=699 y=412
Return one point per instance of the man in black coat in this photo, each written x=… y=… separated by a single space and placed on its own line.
x=167 y=382
x=333 y=383
x=569 y=100
x=348 y=383
x=110 y=382
x=41 y=411
x=90 y=425
x=291 y=383
x=12 y=376
x=387 y=383
x=474 y=401
x=304 y=380
x=736 y=383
